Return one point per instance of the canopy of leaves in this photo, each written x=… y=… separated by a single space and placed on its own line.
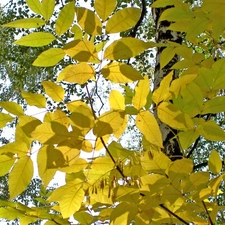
x=119 y=185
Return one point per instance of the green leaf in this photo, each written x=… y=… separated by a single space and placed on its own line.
x=12 y=107
x=104 y=8
x=149 y=127
x=49 y=57
x=89 y=21
x=166 y=56
x=215 y=163
x=16 y=148
x=214 y=105
x=6 y=164
x=108 y=123
x=20 y=176
x=35 y=6
x=36 y=39
x=37 y=100
x=79 y=73
x=10 y=213
x=120 y=73
x=65 y=18
x=141 y=93
x=26 y=23
x=82 y=50
x=4 y=119
x=48 y=8
x=211 y=131
x=123 y=20
x=56 y=92
x=186 y=138
x=126 y=48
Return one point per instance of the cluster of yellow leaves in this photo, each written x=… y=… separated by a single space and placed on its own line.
x=141 y=183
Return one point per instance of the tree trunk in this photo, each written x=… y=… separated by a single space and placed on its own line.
x=170 y=142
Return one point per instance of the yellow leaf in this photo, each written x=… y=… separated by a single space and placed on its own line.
x=56 y=92
x=70 y=154
x=21 y=137
x=123 y=127
x=65 y=18
x=20 y=176
x=79 y=73
x=48 y=8
x=108 y=123
x=6 y=163
x=37 y=100
x=120 y=73
x=215 y=163
x=156 y=162
x=179 y=170
x=35 y=6
x=123 y=20
x=98 y=143
x=149 y=127
x=116 y=100
x=49 y=57
x=79 y=165
x=12 y=107
x=89 y=21
x=73 y=106
x=45 y=174
x=82 y=118
x=70 y=197
x=87 y=146
x=162 y=93
x=180 y=83
x=26 y=23
x=4 y=119
x=104 y=8
x=36 y=39
x=170 y=115
x=57 y=116
x=28 y=124
x=126 y=48
x=19 y=148
x=82 y=50
x=141 y=93
x=51 y=133
x=71 y=202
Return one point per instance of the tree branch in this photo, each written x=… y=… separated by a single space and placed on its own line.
x=193 y=147
x=173 y=214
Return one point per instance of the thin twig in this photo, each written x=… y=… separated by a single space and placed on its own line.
x=207 y=212
x=106 y=148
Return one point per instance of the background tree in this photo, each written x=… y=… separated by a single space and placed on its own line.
x=121 y=186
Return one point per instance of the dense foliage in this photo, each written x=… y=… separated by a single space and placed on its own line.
x=112 y=176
